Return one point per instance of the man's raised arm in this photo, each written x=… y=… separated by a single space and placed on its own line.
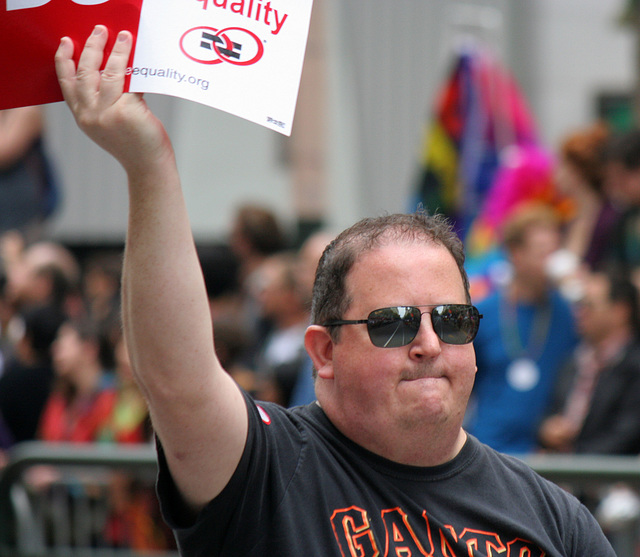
x=197 y=411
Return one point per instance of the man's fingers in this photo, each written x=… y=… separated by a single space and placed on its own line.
x=92 y=54
x=88 y=73
x=66 y=69
x=114 y=120
x=112 y=82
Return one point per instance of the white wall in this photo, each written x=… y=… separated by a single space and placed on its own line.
x=567 y=52
x=225 y=161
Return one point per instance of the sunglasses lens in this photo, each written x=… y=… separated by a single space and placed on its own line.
x=398 y=326
x=455 y=324
x=393 y=327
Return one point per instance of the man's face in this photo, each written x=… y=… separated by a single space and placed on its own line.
x=407 y=388
x=271 y=291
x=530 y=259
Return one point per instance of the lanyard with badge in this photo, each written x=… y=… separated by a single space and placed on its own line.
x=523 y=371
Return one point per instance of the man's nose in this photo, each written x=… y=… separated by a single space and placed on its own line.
x=426 y=344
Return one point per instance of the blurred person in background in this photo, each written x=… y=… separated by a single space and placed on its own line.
x=527 y=333
x=79 y=406
x=622 y=183
x=129 y=421
x=231 y=345
x=256 y=234
x=579 y=176
x=101 y=286
x=26 y=384
x=596 y=405
x=45 y=273
x=82 y=401
x=283 y=304
x=28 y=189
x=221 y=270
x=308 y=256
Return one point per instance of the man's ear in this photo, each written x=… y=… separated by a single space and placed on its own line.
x=319 y=345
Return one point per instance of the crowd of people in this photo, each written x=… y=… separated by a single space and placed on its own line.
x=65 y=374
x=558 y=365
x=62 y=343
x=557 y=353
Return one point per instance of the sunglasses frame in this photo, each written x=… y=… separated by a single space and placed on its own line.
x=370 y=321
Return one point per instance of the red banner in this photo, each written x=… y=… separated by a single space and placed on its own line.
x=241 y=56
x=29 y=38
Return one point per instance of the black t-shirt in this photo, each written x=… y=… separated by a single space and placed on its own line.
x=303 y=489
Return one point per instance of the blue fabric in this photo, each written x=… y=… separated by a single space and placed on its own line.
x=506 y=413
x=304 y=391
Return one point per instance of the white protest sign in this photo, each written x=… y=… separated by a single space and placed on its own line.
x=244 y=57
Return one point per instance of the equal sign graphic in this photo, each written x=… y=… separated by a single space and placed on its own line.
x=207 y=42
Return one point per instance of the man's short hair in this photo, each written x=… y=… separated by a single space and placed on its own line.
x=330 y=300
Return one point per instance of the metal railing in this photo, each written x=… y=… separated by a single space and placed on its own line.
x=91 y=463
x=613 y=482
x=75 y=500
x=586 y=470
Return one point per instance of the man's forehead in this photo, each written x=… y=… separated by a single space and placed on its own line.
x=395 y=257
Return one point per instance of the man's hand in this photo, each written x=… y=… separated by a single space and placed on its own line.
x=120 y=123
x=557 y=433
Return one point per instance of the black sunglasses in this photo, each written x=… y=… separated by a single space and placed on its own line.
x=398 y=326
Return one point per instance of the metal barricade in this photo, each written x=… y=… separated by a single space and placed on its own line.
x=610 y=483
x=56 y=499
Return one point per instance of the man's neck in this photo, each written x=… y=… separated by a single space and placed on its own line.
x=430 y=445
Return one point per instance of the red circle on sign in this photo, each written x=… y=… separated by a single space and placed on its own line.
x=228 y=45
x=255 y=37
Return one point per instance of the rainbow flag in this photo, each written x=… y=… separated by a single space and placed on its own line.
x=481 y=160
x=479 y=112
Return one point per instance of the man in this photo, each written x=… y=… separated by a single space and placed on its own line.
x=596 y=408
x=622 y=185
x=381 y=464
x=527 y=335
x=309 y=255
x=281 y=301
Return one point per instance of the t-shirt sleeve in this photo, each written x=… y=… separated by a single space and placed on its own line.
x=269 y=461
x=588 y=538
